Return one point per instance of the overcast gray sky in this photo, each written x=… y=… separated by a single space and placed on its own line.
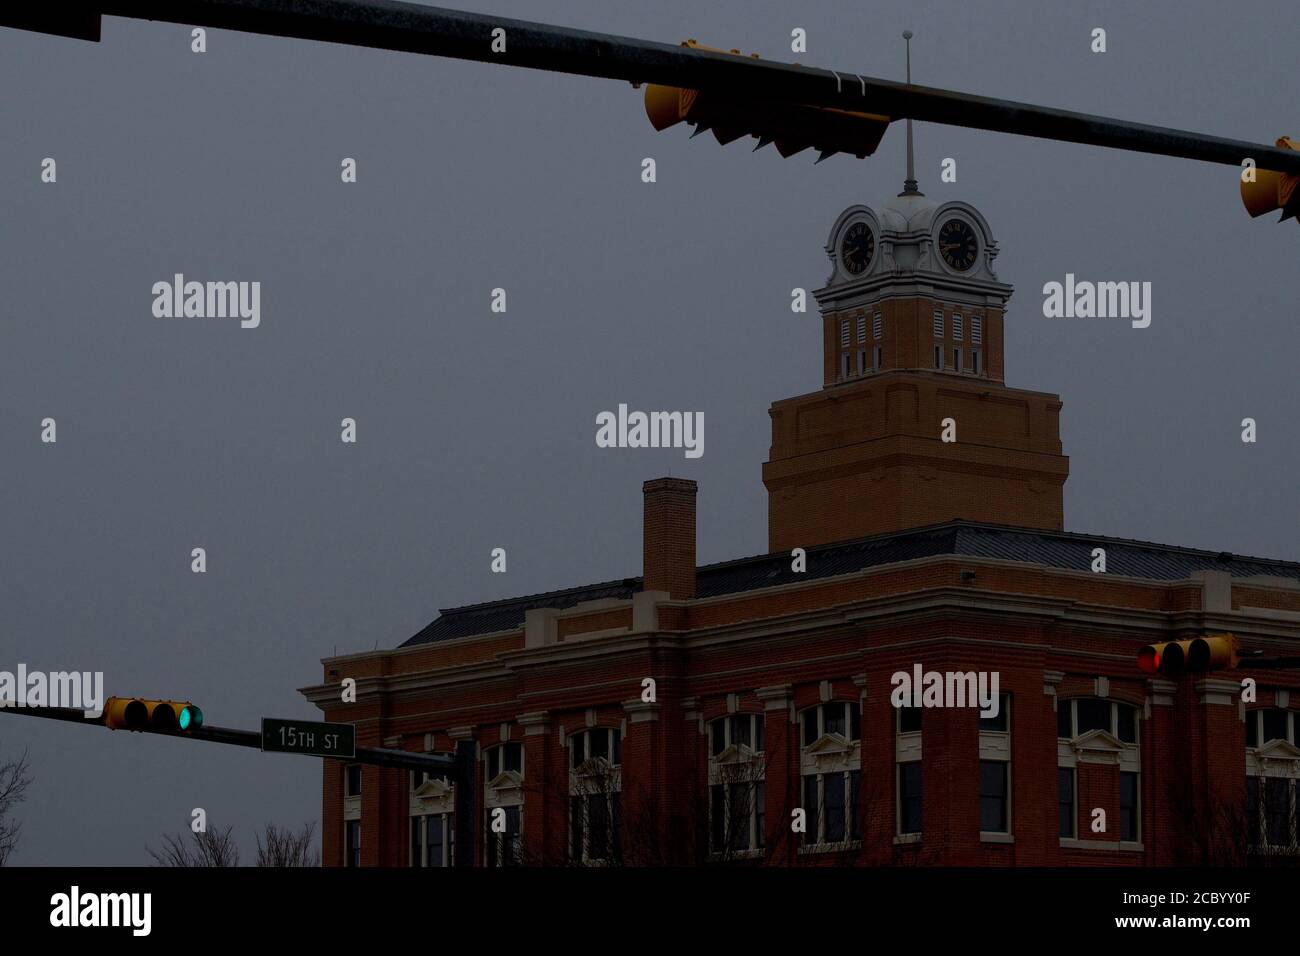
x=476 y=430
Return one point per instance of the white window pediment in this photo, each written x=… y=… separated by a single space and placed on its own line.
x=1098 y=746
x=1277 y=758
x=829 y=753
x=1279 y=750
x=828 y=745
x=506 y=788
x=736 y=753
x=434 y=789
x=594 y=767
x=596 y=775
x=736 y=764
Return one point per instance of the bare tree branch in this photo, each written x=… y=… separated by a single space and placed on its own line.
x=284 y=847
x=210 y=848
x=15 y=777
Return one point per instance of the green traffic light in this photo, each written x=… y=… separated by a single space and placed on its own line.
x=191 y=717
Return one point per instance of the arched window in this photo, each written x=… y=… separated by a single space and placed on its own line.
x=1096 y=730
x=737 y=791
x=595 y=795
x=1273 y=780
x=503 y=804
x=830 y=768
x=432 y=813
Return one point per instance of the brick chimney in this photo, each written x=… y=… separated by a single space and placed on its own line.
x=669 y=537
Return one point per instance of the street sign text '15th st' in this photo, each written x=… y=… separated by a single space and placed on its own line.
x=308 y=737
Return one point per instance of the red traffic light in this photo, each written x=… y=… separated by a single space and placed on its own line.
x=1199 y=655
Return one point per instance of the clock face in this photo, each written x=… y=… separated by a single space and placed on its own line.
x=957 y=244
x=858 y=247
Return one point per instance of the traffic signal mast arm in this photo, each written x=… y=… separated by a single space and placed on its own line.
x=379 y=756
x=461 y=768
x=411 y=28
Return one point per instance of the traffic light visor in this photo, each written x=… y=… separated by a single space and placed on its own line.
x=1218 y=652
x=1271 y=190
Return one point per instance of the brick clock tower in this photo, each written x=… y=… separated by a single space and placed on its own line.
x=912 y=332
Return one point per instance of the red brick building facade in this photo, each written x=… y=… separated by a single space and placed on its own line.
x=742 y=712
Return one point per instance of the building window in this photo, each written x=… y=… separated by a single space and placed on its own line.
x=737 y=730
x=1074 y=718
x=503 y=800
x=831 y=801
x=844 y=333
x=737 y=794
x=1001 y=721
x=352 y=815
x=1092 y=714
x=845 y=368
x=837 y=718
x=1279 y=811
x=352 y=843
x=737 y=816
x=1065 y=801
x=909 y=797
x=993 y=796
x=909 y=720
x=595 y=795
x=862 y=361
x=431 y=839
x=1269 y=724
x=831 y=772
x=504 y=843
x=862 y=329
x=956 y=327
x=1272 y=814
x=938 y=323
x=995 y=769
x=1272 y=794
x=1128 y=806
x=907 y=755
x=879 y=358
x=976 y=330
x=596 y=744
x=938 y=356
x=503 y=758
x=432 y=802
x=975 y=361
x=1112 y=729
x=877 y=326
x=956 y=359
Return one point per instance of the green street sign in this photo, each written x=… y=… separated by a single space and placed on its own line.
x=308 y=737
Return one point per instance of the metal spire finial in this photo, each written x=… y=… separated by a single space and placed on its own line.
x=909 y=184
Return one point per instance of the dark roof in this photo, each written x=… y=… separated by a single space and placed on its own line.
x=1051 y=549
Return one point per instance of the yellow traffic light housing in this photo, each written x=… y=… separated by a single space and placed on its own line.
x=139 y=714
x=1273 y=190
x=1199 y=655
x=792 y=127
